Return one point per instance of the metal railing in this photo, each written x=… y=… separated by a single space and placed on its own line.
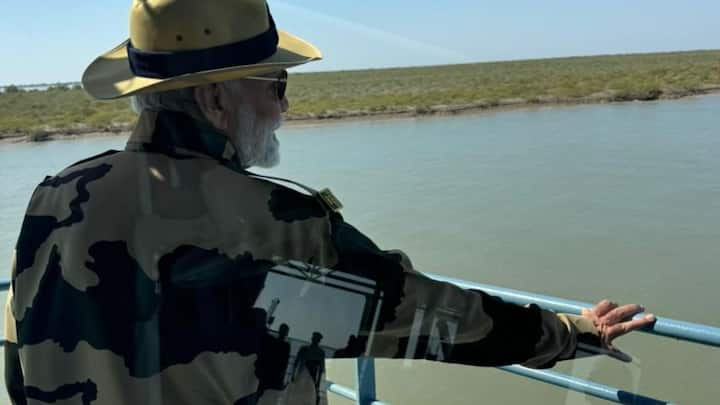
x=365 y=393
x=686 y=331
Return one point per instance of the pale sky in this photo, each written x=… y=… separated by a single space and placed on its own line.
x=53 y=40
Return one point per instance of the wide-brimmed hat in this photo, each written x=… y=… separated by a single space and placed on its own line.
x=182 y=43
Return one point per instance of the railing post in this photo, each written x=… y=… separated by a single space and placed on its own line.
x=365 y=371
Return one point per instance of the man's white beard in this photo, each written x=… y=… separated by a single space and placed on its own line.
x=255 y=140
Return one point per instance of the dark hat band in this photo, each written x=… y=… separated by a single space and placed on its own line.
x=163 y=65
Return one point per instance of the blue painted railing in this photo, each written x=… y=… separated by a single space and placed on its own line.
x=691 y=332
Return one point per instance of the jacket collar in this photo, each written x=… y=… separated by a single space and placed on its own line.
x=179 y=135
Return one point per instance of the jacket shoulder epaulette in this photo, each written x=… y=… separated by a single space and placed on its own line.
x=325 y=198
x=91 y=158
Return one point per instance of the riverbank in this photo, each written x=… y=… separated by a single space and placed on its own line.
x=67 y=112
x=335 y=117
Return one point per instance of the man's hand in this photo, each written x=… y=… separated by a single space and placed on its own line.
x=613 y=320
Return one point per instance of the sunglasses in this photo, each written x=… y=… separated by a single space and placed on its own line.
x=280 y=82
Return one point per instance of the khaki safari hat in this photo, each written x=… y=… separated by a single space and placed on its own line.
x=182 y=43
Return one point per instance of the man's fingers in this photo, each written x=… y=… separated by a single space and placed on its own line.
x=613 y=320
x=614 y=331
x=602 y=307
x=620 y=314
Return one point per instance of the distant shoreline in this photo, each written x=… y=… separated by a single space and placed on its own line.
x=66 y=112
x=362 y=115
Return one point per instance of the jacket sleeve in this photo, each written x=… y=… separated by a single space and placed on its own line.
x=428 y=319
x=14 y=381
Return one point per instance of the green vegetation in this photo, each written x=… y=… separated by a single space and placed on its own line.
x=60 y=109
x=415 y=91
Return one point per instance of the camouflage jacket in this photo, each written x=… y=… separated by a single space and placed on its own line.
x=167 y=274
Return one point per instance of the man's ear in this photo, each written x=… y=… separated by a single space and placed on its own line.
x=213 y=103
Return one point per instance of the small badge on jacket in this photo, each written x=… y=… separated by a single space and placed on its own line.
x=329 y=200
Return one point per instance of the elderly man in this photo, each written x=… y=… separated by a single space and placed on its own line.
x=154 y=274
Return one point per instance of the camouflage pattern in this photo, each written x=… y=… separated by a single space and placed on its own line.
x=162 y=274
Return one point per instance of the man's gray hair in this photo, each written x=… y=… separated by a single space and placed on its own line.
x=180 y=100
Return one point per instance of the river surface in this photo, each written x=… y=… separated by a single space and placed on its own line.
x=583 y=202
